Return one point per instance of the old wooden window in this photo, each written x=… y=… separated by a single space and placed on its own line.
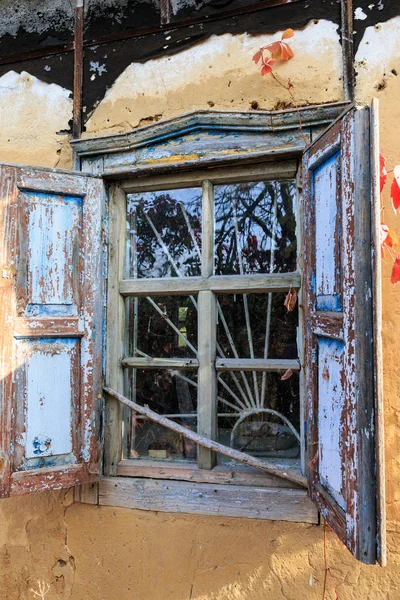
x=191 y=268
x=199 y=250
x=208 y=337
x=202 y=268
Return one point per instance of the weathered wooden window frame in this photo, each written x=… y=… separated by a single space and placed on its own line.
x=207 y=287
x=123 y=160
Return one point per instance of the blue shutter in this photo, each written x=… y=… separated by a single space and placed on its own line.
x=50 y=329
x=341 y=337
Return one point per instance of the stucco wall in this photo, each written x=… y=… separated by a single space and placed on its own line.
x=90 y=553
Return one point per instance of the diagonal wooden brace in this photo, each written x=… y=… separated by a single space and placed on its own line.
x=242 y=457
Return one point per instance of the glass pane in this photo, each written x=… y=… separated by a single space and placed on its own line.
x=269 y=425
x=255 y=227
x=162 y=327
x=168 y=392
x=257 y=322
x=164 y=233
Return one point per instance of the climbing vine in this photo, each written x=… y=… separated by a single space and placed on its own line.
x=282 y=52
x=388 y=235
x=267 y=57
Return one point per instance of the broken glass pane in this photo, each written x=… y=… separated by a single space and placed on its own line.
x=169 y=392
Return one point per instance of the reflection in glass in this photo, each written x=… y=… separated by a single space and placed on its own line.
x=169 y=392
x=268 y=430
x=267 y=318
x=162 y=327
x=164 y=233
x=255 y=228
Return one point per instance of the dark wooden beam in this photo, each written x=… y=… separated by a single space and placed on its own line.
x=115 y=37
x=348 y=50
x=78 y=70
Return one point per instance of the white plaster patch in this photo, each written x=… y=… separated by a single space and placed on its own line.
x=377 y=54
x=359 y=14
x=98 y=68
x=225 y=64
x=31 y=112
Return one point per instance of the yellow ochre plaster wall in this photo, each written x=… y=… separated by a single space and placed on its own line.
x=90 y=553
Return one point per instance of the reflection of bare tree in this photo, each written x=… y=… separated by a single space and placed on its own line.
x=254 y=206
x=163 y=214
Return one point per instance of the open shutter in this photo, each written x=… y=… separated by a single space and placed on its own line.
x=342 y=331
x=50 y=329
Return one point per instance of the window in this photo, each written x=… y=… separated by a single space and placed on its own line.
x=205 y=337
x=196 y=323
x=213 y=349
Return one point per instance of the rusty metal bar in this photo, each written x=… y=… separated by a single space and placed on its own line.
x=116 y=37
x=10 y=59
x=165 y=12
x=78 y=70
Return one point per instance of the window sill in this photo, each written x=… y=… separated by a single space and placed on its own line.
x=241 y=492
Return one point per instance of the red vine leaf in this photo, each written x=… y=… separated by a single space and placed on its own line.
x=287 y=375
x=383 y=235
x=290 y=300
x=288 y=33
x=395 y=189
x=396 y=271
x=384 y=232
x=391 y=239
x=268 y=63
x=382 y=170
x=281 y=50
x=257 y=56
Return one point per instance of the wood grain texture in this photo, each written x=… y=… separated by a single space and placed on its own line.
x=270 y=365
x=115 y=329
x=220 y=138
x=208 y=499
x=221 y=474
x=51 y=181
x=206 y=376
x=365 y=478
x=235 y=121
x=159 y=363
x=281 y=169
